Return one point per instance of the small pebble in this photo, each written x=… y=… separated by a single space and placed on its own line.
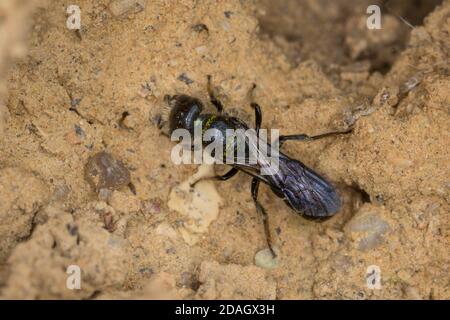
x=146 y=271
x=265 y=259
x=61 y=192
x=200 y=27
x=183 y=77
x=367 y=228
x=103 y=171
x=130 y=121
x=152 y=206
x=72 y=229
x=104 y=194
x=73 y=138
x=121 y=7
x=189 y=280
x=74 y=103
x=164 y=229
x=80 y=132
x=124 y=203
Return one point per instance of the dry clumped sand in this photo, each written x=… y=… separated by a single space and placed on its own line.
x=75 y=104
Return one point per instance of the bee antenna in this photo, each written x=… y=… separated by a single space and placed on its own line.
x=385 y=5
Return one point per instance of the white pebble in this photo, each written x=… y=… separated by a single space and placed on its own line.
x=265 y=259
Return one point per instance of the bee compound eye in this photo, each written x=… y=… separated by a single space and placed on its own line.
x=184 y=111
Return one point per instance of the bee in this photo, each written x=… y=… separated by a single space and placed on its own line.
x=301 y=188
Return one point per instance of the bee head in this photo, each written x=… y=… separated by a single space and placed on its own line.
x=183 y=112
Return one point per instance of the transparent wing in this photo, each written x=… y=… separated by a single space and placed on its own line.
x=251 y=158
x=306 y=191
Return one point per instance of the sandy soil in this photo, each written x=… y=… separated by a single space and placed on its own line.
x=137 y=232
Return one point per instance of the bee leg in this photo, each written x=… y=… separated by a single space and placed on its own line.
x=258 y=112
x=227 y=175
x=223 y=177
x=216 y=102
x=258 y=116
x=260 y=209
x=304 y=137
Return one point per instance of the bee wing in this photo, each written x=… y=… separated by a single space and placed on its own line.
x=252 y=161
x=306 y=191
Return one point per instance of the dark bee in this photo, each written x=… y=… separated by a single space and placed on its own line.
x=305 y=191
